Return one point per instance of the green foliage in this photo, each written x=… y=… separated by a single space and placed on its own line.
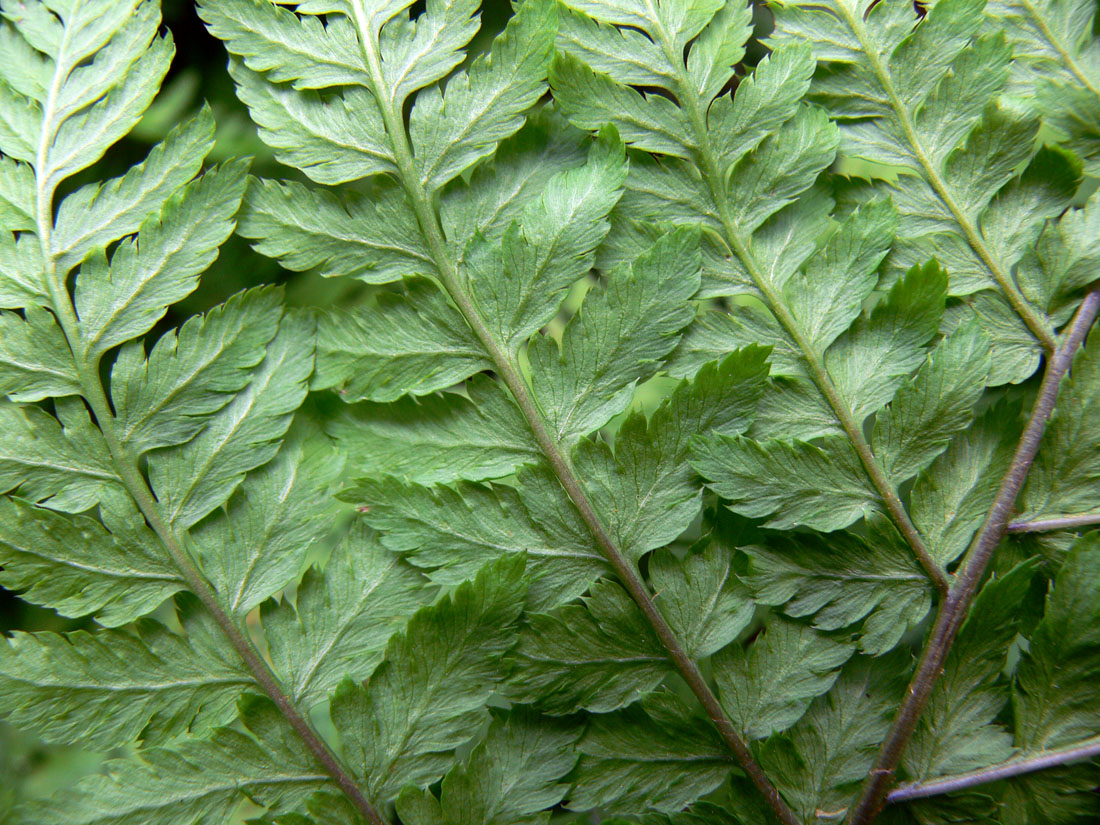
x=652 y=414
x=429 y=693
x=1054 y=68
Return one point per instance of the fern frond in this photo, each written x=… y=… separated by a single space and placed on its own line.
x=921 y=96
x=1055 y=68
x=659 y=441
x=429 y=693
x=167 y=466
x=754 y=196
x=107 y=687
x=505 y=245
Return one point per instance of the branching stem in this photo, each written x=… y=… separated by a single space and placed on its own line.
x=953 y=610
x=509 y=371
x=1014 y=767
x=1042 y=525
x=127 y=468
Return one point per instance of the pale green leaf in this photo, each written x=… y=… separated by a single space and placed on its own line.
x=35 y=359
x=829 y=296
x=100 y=213
x=658 y=755
x=767 y=686
x=311 y=53
x=17 y=212
x=1016 y=353
x=820 y=762
x=193 y=479
x=957 y=731
x=115 y=571
x=645 y=490
x=703 y=601
x=333 y=139
x=198 y=781
x=878 y=353
x=926 y=414
x=438 y=438
x=411 y=344
x=166 y=398
x=1055 y=700
x=63 y=459
x=428 y=695
x=591 y=100
x=161 y=265
x=341 y=618
x=822 y=486
x=21 y=274
x=511 y=777
x=843 y=580
x=618 y=340
x=452 y=129
x=259 y=545
x=105 y=688
x=1064 y=260
x=455 y=530
x=763 y=101
x=375 y=239
x=501 y=188
x=1065 y=478
x=418 y=53
x=951 y=497
x=598 y=656
x=520 y=280
x=1054 y=65
x=918 y=92
x=80 y=137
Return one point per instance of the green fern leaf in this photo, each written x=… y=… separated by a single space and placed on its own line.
x=102 y=688
x=1053 y=68
x=767 y=687
x=951 y=497
x=843 y=580
x=921 y=97
x=439 y=438
x=1054 y=703
x=449 y=657
x=1065 y=477
x=78 y=566
x=656 y=755
x=707 y=579
x=819 y=762
x=512 y=777
x=198 y=476
x=62 y=459
x=958 y=732
x=599 y=656
x=198 y=781
x=341 y=618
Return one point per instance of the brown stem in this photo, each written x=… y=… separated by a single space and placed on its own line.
x=1006 y=770
x=953 y=610
x=1041 y=525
